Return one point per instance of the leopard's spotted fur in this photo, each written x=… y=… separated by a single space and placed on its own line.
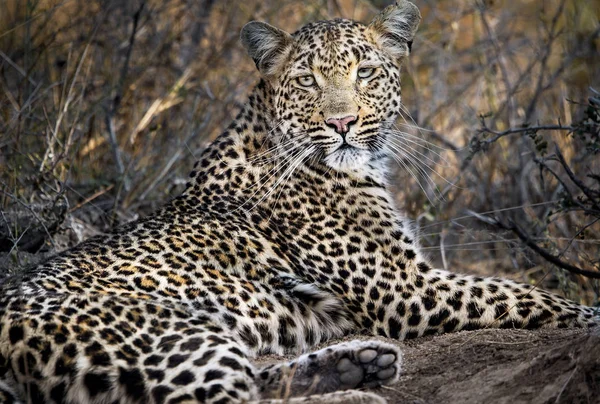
x=285 y=237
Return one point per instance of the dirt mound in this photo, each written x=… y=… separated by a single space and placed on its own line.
x=498 y=366
x=501 y=366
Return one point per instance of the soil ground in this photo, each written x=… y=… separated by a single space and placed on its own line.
x=497 y=366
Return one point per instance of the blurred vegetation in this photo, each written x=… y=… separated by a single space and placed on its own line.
x=105 y=105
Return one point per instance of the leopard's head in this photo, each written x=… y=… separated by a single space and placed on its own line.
x=336 y=84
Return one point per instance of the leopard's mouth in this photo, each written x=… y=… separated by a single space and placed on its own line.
x=343 y=147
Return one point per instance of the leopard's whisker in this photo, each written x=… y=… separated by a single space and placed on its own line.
x=420 y=128
x=276 y=155
x=272 y=149
x=286 y=175
x=281 y=150
x=515 y=241
x=266 y=137
x=270 y=132
x=465 y=246
x=408 y=151
x=288 y=157
x=262 y=181
x=420 y=138
x=489 y=212
x=416 y=140
x=281 y=159
x=410 y=155
x=293 y=167
x=416 y=178
x=415 y=164
x=298 y=159
x=407 y=142
x=404 y=111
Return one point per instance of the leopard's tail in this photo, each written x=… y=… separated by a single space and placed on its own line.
x=438 y=301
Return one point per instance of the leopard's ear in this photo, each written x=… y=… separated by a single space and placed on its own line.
x=267 y=46
x=394 y=28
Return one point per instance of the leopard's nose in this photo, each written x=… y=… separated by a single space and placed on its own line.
x=341 y=125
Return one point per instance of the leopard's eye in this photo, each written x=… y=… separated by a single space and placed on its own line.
x=306 y=81
x=365 y=72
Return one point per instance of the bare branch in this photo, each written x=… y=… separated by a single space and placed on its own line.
x=592 y=195
x=529 y=242
x=512 y=131
x=112 y=111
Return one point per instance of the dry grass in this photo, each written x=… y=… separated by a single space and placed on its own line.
x=104 y=105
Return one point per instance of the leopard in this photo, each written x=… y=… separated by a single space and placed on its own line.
x=286 y=237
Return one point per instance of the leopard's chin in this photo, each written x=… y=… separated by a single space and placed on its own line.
x=348 y=159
